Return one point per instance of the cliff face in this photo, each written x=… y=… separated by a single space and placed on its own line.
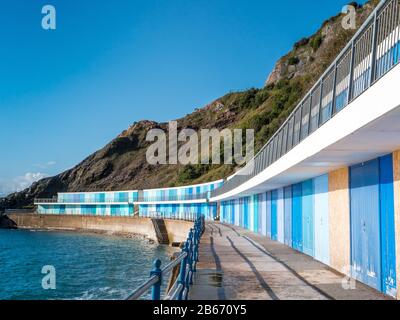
x=311 y=56
x=122 y=165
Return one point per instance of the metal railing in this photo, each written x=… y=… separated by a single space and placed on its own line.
x=373 y=51
x=85 y=201
x=166 y=197
x=141 y=198
x=187 y=260
x=186 y=216
x=46 y=200
x=18 y=211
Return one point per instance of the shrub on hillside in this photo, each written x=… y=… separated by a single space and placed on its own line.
x=293 y=61
x=316 y=42
x=301 y=43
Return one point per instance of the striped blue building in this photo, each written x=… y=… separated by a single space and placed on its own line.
x=90 y=203
x=175 y=203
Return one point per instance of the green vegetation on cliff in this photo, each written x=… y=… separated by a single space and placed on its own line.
x=122 y=165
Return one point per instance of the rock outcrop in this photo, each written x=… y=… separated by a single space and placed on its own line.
x=312 y=55
x=7 y=223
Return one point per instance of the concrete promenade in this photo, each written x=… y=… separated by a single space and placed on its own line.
x=236 y=264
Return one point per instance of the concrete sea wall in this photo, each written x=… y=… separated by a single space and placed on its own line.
x=177 y=230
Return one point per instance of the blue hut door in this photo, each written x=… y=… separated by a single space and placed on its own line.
x=237 y=212
x=288 y=216
x=268 y=217
x=388 y=240
x=281 y=218
x=274 y=215
x=365 y=224
x=321 y=219
x=308 y=217
x=297 y=229
x=264 y=214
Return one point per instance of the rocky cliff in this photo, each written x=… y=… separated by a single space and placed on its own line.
x=121 y=165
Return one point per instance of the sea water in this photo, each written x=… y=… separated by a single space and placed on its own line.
x=86 y=266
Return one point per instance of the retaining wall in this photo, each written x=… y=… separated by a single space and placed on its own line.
x=177 y=230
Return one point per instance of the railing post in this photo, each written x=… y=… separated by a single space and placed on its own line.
x=188 y=271
x=192 y=256
x=182 y=271
x=309 y=114
x=373 y=50
x=351 y=75
x=196 y=244
x=156 y=289
x=335 y=74
x=189 y=279
x=195 y=254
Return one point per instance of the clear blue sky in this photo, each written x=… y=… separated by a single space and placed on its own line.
x=66 y=93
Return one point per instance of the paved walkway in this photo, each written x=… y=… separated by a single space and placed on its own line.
x=236 y=264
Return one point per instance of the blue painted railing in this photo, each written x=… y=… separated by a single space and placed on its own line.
x=187 y=260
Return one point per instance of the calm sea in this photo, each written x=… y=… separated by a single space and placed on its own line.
x=87 y=266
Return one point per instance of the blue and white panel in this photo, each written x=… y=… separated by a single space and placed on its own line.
x=252 y=214
x=297 y=219
x=179 y=211
x=227 y=212
x=281 y=216
x=387 y=53
x=256 y=213
x=102 y=210
x=268 y=217
x=288 y=215
x=109 y=197
x=308 y=217
x=274 y=215
x=240 y=212
x=223 y=212
x=245 y=206
x=237 y=212
x=263 y=213
x=365 y=229
x=231 y=212
x=321 y=219
x=87 y=209
x=133 y=197
x=259 y=214
x=183 y=193
x=388 y=239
